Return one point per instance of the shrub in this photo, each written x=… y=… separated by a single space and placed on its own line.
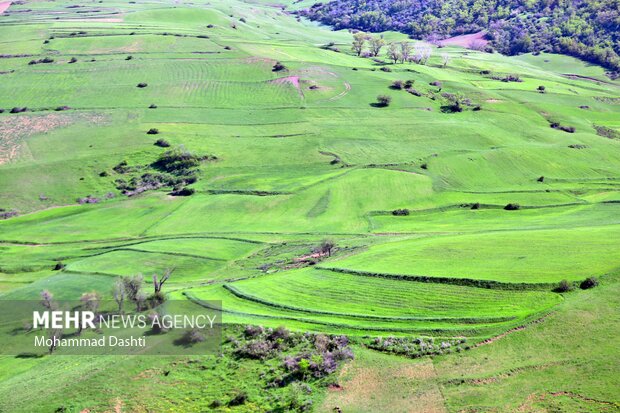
x=103 y=174
x=239 y=399
x=19 y=110
x=541 y=179
x=253 y=331
x=385 y=69
x=193 y=336
x=541 y=89
x=512 y=207
x=383 y=101
x=129 y=58
x=414 y=92
x=476 y=205
x=183 y=192
x=589 y=282
x=278 y=67
x=162 y=143
x=152 y=131
x=564 y=286
x=436 y=83
x=409 y=83
x=61 y=108
x=424 y=166
x=477 y=108
x=400 y=212
x=152 y=106
x=142 y=85
x=176 y=161
x=59 y=266
x=121 y=168
x=397 y=84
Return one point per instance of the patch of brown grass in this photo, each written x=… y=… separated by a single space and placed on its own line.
x=15 y=129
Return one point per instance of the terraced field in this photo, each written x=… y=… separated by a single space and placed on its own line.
x=414 y=199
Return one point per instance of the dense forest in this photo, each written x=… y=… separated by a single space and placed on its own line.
x=588 y=29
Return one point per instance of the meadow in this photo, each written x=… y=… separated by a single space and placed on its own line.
x=445 y=225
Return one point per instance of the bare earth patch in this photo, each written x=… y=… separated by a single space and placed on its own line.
x=402 y=384
x=4 y=6
x=472 y=41
x=14 y=129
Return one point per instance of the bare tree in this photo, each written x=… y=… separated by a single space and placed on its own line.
x=359 y=41
x=393 y=53
x=376 y=44
x=118 y=292
x=422 y=52
x=405 y=51
x=326 y=247
x=445 y=58
x=140 y=301
x=90 y=302
x=55 y=334
x=47 y=300
x=133 y=290
x=158 y=284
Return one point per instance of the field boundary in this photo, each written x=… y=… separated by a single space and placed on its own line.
x=468 y=282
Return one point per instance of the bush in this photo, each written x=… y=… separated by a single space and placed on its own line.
x=193 y=336
x=589 y=282
x=176 y=161
x=59 y=266
x=397 y=85
x=61 y=108
x=152 y=106
x=512 y=207
x=476 y=205
x=383 y=101
x=541 y=179
x=183 y=192
x=541 y=89
x=103 y=174
x=239 y=399
x=162 y=143
x=19 y=110
x=436 y=83
x=386 y=69
x=409 y=83
x=278 y=67
x=400 y=212
x=129 y=58
x=152 y=131
x=142 y=85
x=564 y=286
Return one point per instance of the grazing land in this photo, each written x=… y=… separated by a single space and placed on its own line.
x=441 y=214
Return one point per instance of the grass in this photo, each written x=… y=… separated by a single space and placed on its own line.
x=296 y=166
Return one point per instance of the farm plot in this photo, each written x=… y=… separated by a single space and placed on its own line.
x=508 y=257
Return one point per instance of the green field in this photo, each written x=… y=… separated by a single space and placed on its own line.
x=302 y=156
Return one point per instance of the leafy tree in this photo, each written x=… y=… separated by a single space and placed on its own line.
x=376 y=44
x=393 y=52
x=359 y=41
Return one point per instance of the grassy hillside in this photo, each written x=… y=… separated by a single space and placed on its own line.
x=455 y=226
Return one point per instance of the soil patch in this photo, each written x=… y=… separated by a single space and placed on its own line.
x=472 y=41
x=4 y=6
